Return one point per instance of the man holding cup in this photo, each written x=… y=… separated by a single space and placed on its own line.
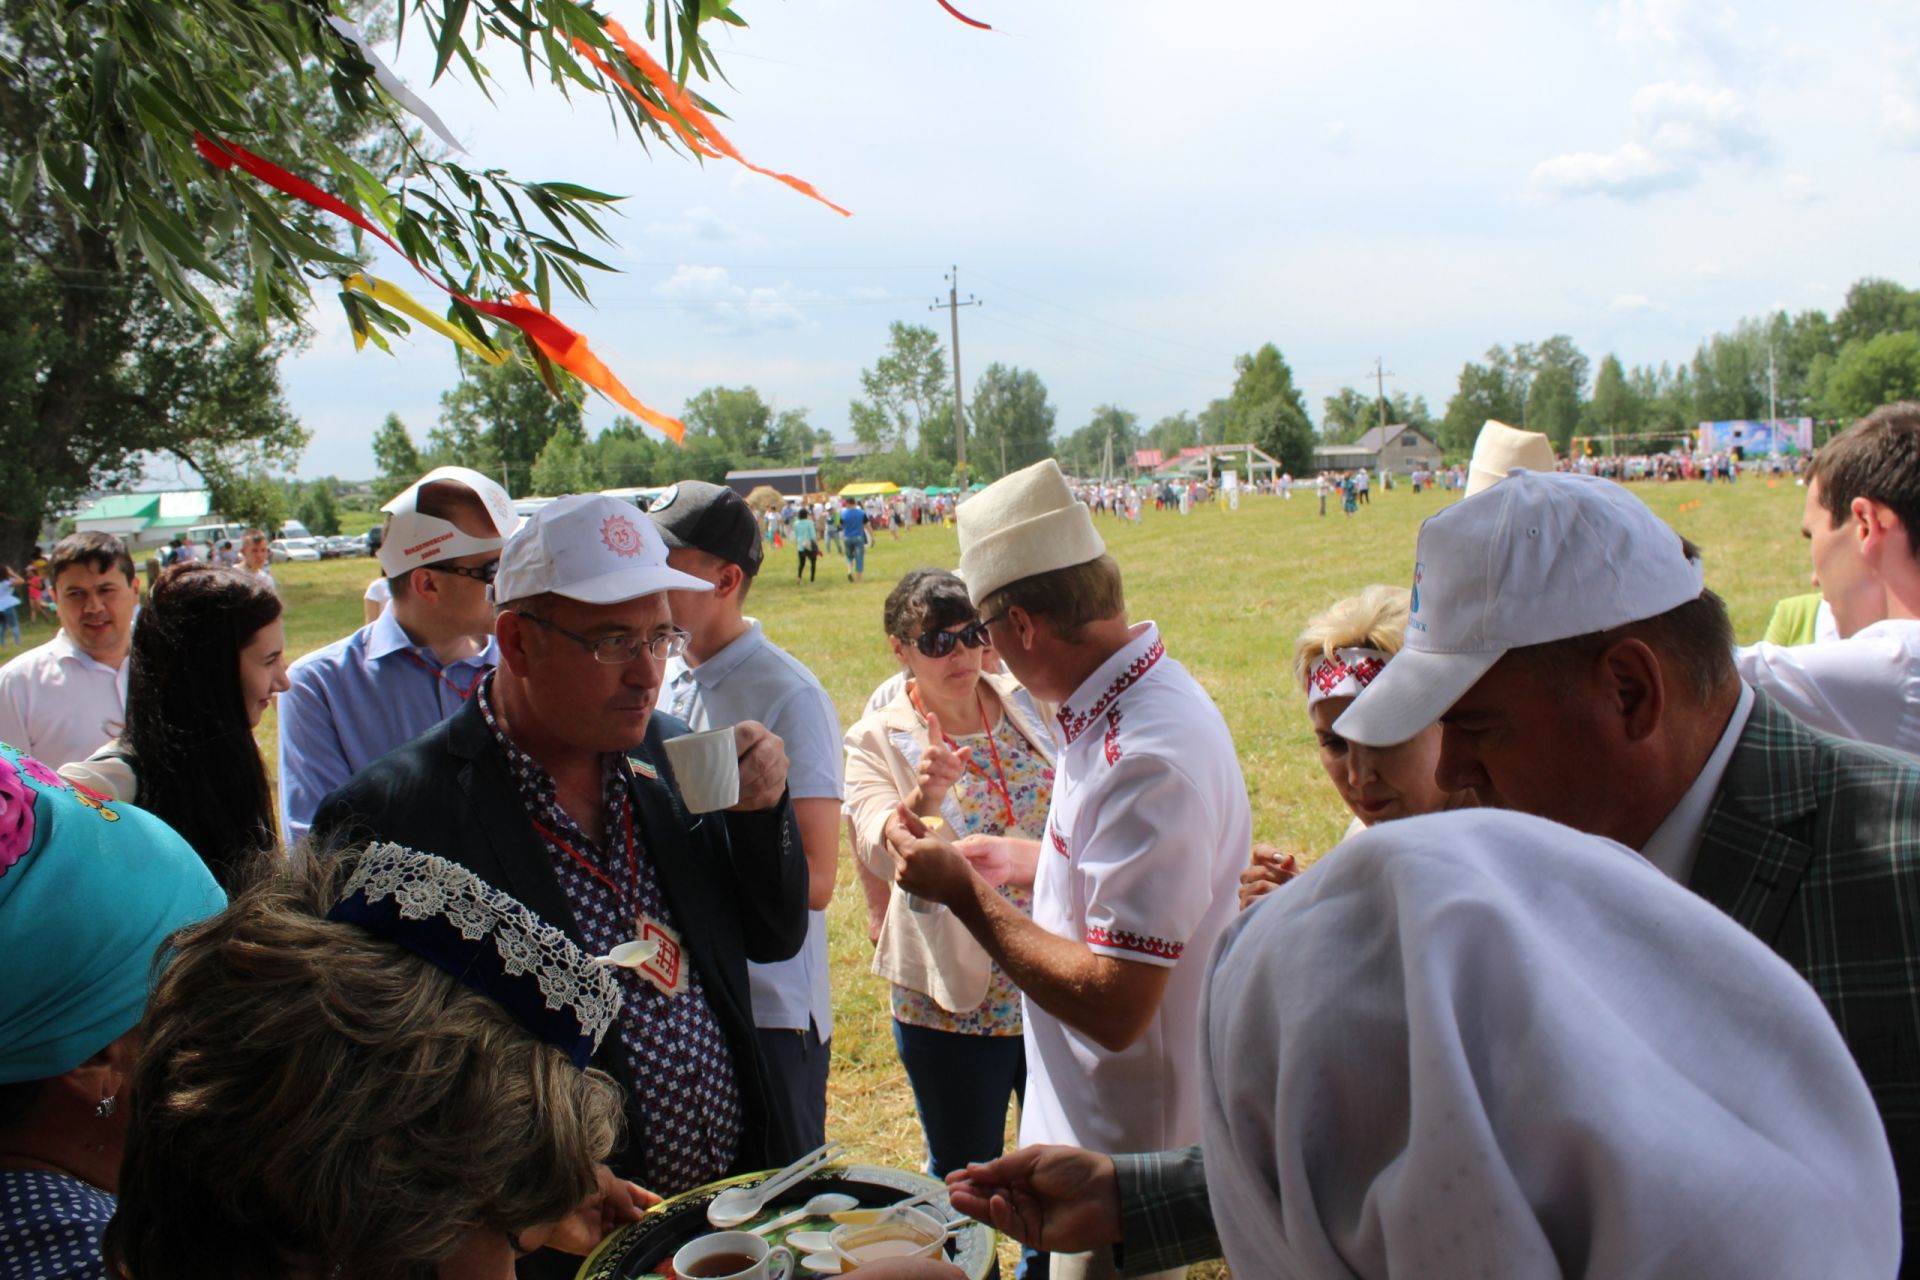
x=552 y=783
x=1145 y=839
x=731 y=672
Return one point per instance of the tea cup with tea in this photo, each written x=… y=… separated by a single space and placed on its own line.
x=733 y=1255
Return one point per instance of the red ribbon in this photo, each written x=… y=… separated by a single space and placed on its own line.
x=556 y=341
x=963 y=17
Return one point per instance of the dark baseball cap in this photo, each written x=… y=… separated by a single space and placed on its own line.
x=710 y=518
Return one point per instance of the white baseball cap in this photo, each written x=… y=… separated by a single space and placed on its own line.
x=1539 y=557
x=413 y=539
x=588 y=547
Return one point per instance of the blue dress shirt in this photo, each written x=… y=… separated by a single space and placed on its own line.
x=357 y=699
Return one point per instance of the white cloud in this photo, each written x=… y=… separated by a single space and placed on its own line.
x=1900 y=117
x=725 y=307
x=1705 y=34
x=1799 y=188
x=1339 y=138
x=1677 y=129
x=1636 y=302
x=704 y=225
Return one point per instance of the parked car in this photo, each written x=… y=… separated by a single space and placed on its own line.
x=292 y=549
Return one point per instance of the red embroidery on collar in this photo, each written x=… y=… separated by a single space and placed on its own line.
x=1113 y=736
x=1126 y=941
x=1059 y=845
x=1074 y=723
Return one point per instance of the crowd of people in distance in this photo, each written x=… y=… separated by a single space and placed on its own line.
x=1612 y=972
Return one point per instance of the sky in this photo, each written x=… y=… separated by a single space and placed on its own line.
x=1137 y=193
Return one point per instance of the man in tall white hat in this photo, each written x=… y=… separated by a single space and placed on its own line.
x=415 y=664
x=1580 y=671
x=1500 y=449
x=552 y=784
x=1147 y=833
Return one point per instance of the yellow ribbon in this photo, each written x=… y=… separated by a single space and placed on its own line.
x=388 y=294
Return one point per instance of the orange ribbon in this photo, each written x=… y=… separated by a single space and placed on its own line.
x=677 y=98
x=555 y=340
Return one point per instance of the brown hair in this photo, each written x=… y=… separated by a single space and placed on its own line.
x=309 y=1095
x=1877 y=458
x=1069 y=599
x=97 y=551
x=932 y=599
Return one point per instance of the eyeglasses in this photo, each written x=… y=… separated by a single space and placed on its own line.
x=479 y=573
x=617 y=651
x=938 y=644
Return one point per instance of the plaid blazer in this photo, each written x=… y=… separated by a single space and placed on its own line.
x=1813 y=844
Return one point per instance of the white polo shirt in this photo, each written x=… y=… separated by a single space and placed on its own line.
x=59 y=705
x=1865 y=687
x=1145 y=840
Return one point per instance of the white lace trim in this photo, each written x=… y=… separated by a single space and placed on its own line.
x=426 y=885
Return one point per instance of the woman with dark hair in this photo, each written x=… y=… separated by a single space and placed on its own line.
x=972 y=750
x=207 y=658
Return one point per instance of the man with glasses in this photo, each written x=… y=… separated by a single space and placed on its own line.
x=552 y=783
x=413 y=666
x=729 y=673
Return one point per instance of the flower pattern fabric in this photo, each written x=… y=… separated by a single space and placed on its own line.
x=681 y=1069
x=982 y=812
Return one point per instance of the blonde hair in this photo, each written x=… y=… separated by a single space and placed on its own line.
x=310 y=1095
x=1374 y=619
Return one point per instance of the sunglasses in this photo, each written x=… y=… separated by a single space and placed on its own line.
x=938 y=644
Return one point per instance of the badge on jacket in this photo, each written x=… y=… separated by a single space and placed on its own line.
x=667 y=970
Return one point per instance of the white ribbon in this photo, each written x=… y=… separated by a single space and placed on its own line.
x=392 y=84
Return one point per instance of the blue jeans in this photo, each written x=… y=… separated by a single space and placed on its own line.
x=10 y=621
x=857 y=554
x=961 y=1085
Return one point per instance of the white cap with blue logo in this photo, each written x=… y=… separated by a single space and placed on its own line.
x=1539 y=557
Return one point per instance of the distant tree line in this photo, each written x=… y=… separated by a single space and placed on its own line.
x=501 y=420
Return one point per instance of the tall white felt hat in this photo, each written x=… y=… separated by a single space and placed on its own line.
x=1542 y=557
x=1500 y=449
x=1023 y=524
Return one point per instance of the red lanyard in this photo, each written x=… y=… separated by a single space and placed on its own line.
x=633 y=866
x=441 y=675
x=999 y=780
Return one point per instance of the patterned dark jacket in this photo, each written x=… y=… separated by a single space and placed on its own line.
x=1813 y=844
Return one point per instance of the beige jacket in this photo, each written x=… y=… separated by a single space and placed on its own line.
x=928 y=952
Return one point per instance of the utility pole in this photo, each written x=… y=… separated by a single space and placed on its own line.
x=953 y=305
x=1773 y=408
x=1380 y=376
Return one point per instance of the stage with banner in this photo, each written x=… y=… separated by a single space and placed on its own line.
x=1757 y=438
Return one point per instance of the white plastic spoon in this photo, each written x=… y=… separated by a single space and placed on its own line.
x=825 y=1263
x=810 y=1241
x=630 y=955
x=821 y=1205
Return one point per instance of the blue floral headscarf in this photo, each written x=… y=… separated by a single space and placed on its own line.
x=89 y=889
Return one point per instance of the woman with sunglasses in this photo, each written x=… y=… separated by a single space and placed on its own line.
x=970 y=749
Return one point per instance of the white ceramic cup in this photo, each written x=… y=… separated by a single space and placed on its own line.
x=706 y=768
x=910 y=1233
x=769 y=1262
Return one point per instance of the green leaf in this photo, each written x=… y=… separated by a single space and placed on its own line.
x=574 y=191
x=452 y=24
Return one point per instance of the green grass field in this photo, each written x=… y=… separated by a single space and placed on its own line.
x=1230 y=590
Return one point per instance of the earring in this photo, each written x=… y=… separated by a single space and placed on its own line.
x=108 y=1105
